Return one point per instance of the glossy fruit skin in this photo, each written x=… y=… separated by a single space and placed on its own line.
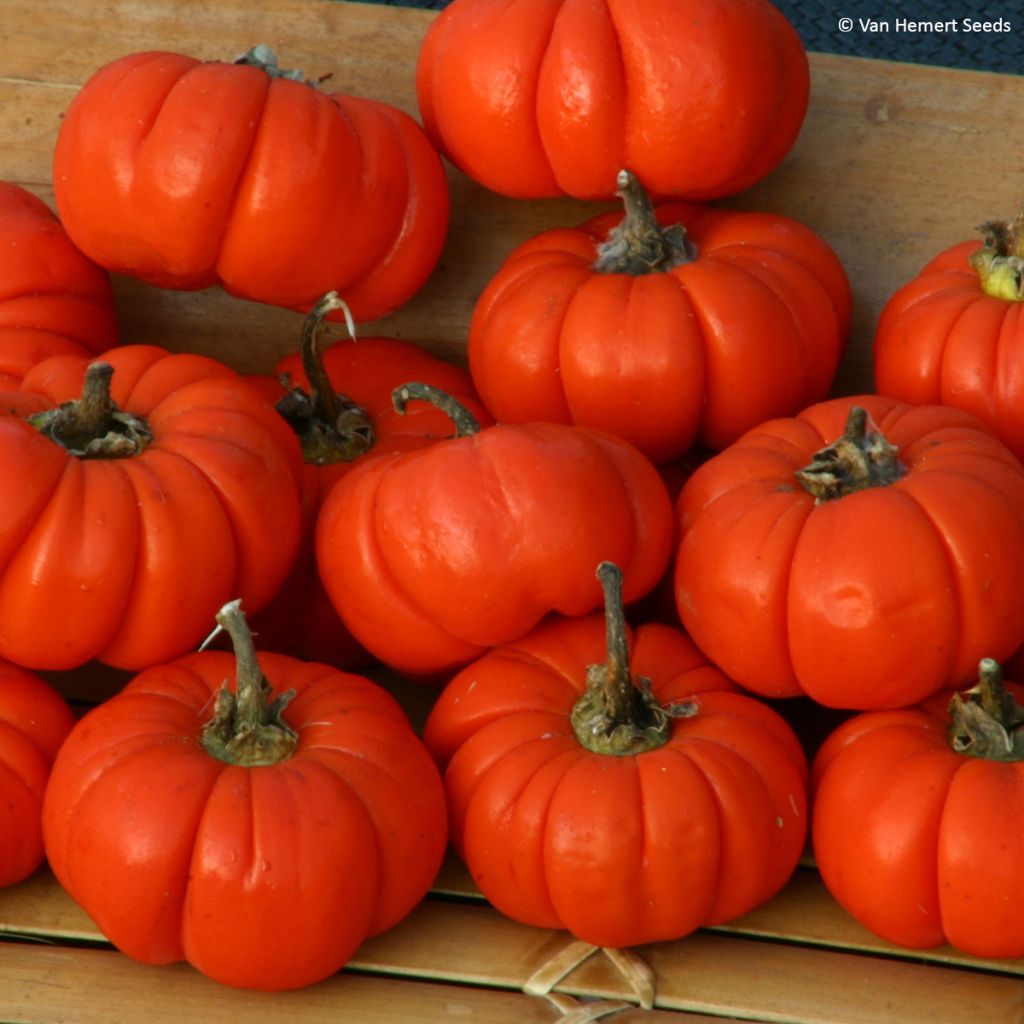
x=185 y=174
x=919 y=843
x=619 y=850
x=53 y=299
x=301 y=619
x=263 y=877
x=535 y=98
x=34 y=722
x=431 y=557
x=126 y=560
x=874 y=600
x=941 y=339
x=751 y=329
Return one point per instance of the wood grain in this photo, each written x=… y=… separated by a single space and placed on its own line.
x=44 y=986
x=48 y=986
x=793 y=958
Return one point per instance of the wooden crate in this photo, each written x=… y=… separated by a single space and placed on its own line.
x=894 y=163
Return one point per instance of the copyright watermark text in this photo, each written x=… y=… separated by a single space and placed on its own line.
x=917 y=26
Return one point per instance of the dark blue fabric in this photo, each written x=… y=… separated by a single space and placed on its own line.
x=948 y=33
x=962 y=34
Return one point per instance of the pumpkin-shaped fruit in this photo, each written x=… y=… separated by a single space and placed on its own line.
x=53 y=299
x=432 y=556
x=670 y=326
x=916 y=819
x=137 y=493
x=338 y=402
x=188 y=173
x=621 y=789
x=865 y=553
x=260 y=833
x=954 y=333
x=533 y=98
x=34 y=722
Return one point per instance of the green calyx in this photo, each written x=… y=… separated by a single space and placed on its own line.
x=999 y=263
x=264 y=58
x=639 y=244
x=618 y=714
x=330 y=427
x=246 y=727
x=92 y=426
x=859 y=459
x=986 y=721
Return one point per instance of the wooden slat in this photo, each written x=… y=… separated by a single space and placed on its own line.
x=47 y=980
x=46 y=986
x=804 y=978
x=39 y=908
x=364 y=48
x=40 y=985
x=778 y=982
x=703 y=973
x=889 y=169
